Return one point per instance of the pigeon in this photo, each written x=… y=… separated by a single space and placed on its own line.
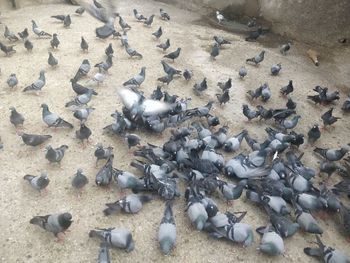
x=275 y=69
x=285 y=48
x=12 y=81
x=199 y=87
x=250 y=114
x=38 y=182
x=197 y=213
x=167 y=230
x=124 y=39
x=170 y=70
x=138 y=16
x=109 y=50
x=67 y=21
x=149 y=21
x=24 y=34
x=164 y=15
x=271 y=242
x=220 y=17
x=158 y=33
x=251 y=22
x=166 y=79
x=332 y=154
x=83 y=133
x=82 y=99
x=132 y=52
x=103 y=253
x=137 y=80
x=8 y=50
x=229 y=231
x=38 y=31
x=157 y=94
x=132 y=140
x=225 y=85
x=115 y=237
x=165 y=45
x=55 y=155
x=127 y=180
x=130 y=204
x=242 y=72
x=38 y=84
x=105 y=174
x=231 y=191
x=83 y=114
x=265 y=92
x=187 y=74
x=314 y=134
x=307 y=222
x=16 y=118
x=9 y=35
x=328 y=118
x=79 y=180
x=221 y=41
x=52 y=61
x=287 y=89
x=97 y=4
x=233 y=144
x=346 y=104
x=254 y=35
x=80 y=10
x=54 y=41
x=123 y=24
x=84 y=45
x=80 y=89
x=33 y=139
x=28 y=45
x=83 y=70
x=52 y=119
x=291 y=104
x=215 y=51
x=224 y=97
x=290 y=123
x=102 y=153
x=257 y=59
x=55 y=223
x=173 y=55
x=59 y=17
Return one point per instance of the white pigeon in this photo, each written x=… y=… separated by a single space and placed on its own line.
x=219 y=17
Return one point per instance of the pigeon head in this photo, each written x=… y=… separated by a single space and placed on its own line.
x=65 y=220
x=54 y=35
x=79 y=171
x=44 y=106
x=12 y=109
x=44 y=174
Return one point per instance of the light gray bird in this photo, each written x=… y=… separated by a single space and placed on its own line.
x=230 y=232
x=276 y=203
x=84 y=45
x=220 y=17
x=130 y=204
x=55 y=155
x=221 y=41
x=83 y=70
x=123 y=24
x=8 y=50
x=139 y=17
x=215 y=51
x=103 y=253
x=33 y=139
x=52 y=119
x=99 y=78
x=265 y=92
x=242 y=72
x=83 y=114
x=16 y=118
x=124 y=39
x=10 y=35
x=271 y=243
x=67 y=21
x=197 y=213
x=52 y=61
x=165 y=45
x=167 y=230
x=149 y=21
x=54 y=41
x=234 y=143
x=310 y=202
x=285 y=48
x=38 y=182
x=79 y=180
x=127 y=180
x=275 y=69
x=158 y=33
x=55 y=223
x=137 y=80
x=232 y=192
x=38 y=31
x=102 y=153
x=164 y=15
x=332 y=154
x=290 y=123
x=132 y=52
x=257 y=59
x=82 y=99
x=38 y=84
x=105 y=174
x=307 y=222
x=28 y=45
x=12 y=81
x=115 y=237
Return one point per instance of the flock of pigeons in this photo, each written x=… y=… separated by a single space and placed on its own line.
x=272 y=174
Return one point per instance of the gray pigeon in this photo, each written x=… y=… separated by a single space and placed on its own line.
x=109 y=50
x=52 y=119
x=82 y=99
x=39 y=32
x=38 y=182
x=83 y=70
x=80 y=10
x=124 y=39
x=115 y=237
x=332 y=154
x=265 y=92
x=52 y=61
x=102 y=153
x=221 y=41
x=132 y=52
x=285 y=90
x=83 y=114
x=232 y=192
x=139 y=17
x=16 y=118
x=127 y=180
x=167 y=230
x=250 y=114
x=328 y=118
x=242 y=72
x=290 y=123
x=8 y=50
x=38 y=84
x=84 y=45
x=271 y=243
x=12 y=81
x=197 y=213
x=55 y=155
x=164 y=15
x=187 y=74
x=158 y=33
x=83 y=133
x=123 y=24
x=149 y=21
x=9 y=35
x=103 y=253
x=28 y=45
x=174 y=55
x=54 y=41
x=257 y=59
x=55 y=223
x=33 y=139
x=284 y=48
x=233 y=144
x=230 y=232
x=59 y=17
x=215 y=51
x=24 y=34
x=165 y=45
x=132 y=140
x=199 y=87
x=105 y=174
x=137 y=79
x=275 y=69
x=346 y=104
x=79 y=180
x=67 y=21
x=131 y=204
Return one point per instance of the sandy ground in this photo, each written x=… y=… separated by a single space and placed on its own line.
x=22 y=242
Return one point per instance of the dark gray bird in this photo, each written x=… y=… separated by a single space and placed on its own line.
x=137 y=80
x=52 y=119
x=105 y=174
x=225 y=85
x=167 y=230
x=80 y=10
x=55 y=223
x=346 y=104
x=257 y=59
x=102 y=153
x=252 y=22
x=173 y=55
x=215 y=51
x=242 y=72
x=80 y=89
x=38 y=84
x=83 y=114
x=97 y=4
x=250 y=114
x=253 y=36
x=105 y=65
x=332 y=154
x=224 y=97
x=149 y=21
x=28 y=45
x=328 y=118
x=33 y=139
x=285 y=48
x=115 y=237
x=169 y=69
x=123 y=24
x=139 y=17
x=67 y=21
x=12 y=81
x=287 y=89
x=83 y=70
x=38 y=31
x=24 y=34
x=158 y=33
x=52 y=61
x=132 y=140
x=103 y=253
x=221 y=41
x=187 y=74
x=275 y=69
x=59 y=17
x=55 y=155
x=83 y=133
x=84 y=45
x=231 y=191
x=54 y=41
x=291 y=104
x=131 y=204
x=290 y=123
x=38 y=182
x=165 y=45
x=200 y=87
x=79 y=180
x=157 y=94
x=109 y=50
x=8 y=50
x=314 y=134
x=16 y=118
x=132 y=52
x=10 y=35
x=164 y=15
x=166 y=79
